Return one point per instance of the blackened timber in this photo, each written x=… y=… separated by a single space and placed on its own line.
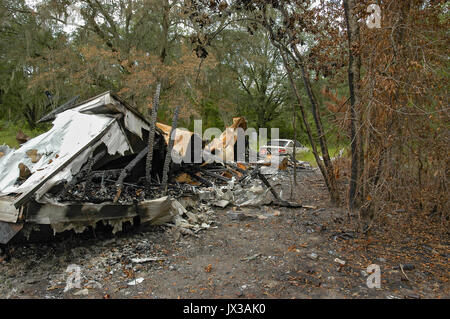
x=112 y=173
x=95 y=159
x=169 y=150
x=200 y=179
x=84 y=173
x=151 y=136
x=237 y=168
x=127 y=170
x=252 y=174
x=52 y=115
x=280 y=201
x=222 y=178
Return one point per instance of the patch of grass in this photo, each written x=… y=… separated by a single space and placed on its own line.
x=309 y=156
x=8 y=132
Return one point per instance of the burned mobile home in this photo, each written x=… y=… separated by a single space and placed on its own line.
x=91 y=167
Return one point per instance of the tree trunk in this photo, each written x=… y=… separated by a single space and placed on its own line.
x=305 y=122
x=320 y=131
x=327 y=169
x=328 y=165
x=354 y=68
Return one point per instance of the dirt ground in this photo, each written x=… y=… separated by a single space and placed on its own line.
x=269 y=252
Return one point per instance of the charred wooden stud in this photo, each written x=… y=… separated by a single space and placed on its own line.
x=85 y=172
x=280 y=201
x=169 y=150
x=151 y=136
x=126 y=171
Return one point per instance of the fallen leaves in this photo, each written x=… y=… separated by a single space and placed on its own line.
x=186 y=178
x=21 y=137
x=293 y=248
x=128 y=272
x=208 y=268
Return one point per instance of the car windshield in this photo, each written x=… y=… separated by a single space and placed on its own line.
x=277 y=143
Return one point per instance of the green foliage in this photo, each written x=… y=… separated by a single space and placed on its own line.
x=210 y=115
x=333 y=150
x=137 y=44
x=9 y=130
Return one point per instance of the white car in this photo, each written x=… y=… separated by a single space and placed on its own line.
x=282 y=147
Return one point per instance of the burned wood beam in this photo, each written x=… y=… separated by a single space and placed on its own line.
x=123 y=183
x=151 y=135
x=143 y=181
x=200 y=179
x=280 y=201
x=52 y=115
x=84 y=173
x=113 y=173
x=266 y=182
x=127 y=170
x=237 y=168
x=234 y=172
x=222 y=178
x=169 y=150
x=252 y=174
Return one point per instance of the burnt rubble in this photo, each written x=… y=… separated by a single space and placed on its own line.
x=78 y=177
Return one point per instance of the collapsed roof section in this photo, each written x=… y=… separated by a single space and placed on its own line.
x=76 y=135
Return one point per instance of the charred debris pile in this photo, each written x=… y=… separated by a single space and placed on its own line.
x=92 y=166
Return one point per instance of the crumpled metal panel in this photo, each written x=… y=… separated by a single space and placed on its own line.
x=182 y=145
x=8 y=213
x=223 y=146
x=156 y=211
x=59 y=153
x=71 y=131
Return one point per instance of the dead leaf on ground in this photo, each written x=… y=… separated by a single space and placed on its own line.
x=186 y=178
x=208 y=268
x=21 y=137
x=241 y=166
